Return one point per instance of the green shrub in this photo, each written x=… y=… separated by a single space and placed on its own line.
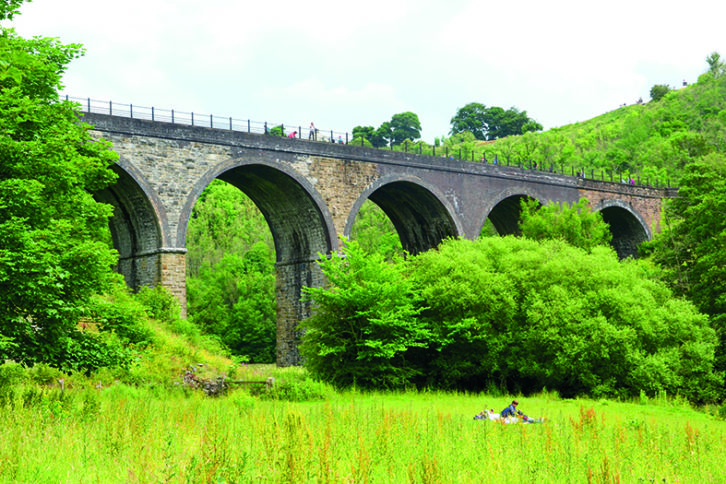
x=364 y=324
x=574 y=223
x=44 y=374
x=160 y=304
x=507 y=312
x=532 y=315
x=11 y=374
x=299 y=390
x=118 y=311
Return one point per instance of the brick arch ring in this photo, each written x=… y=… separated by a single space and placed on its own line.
x=387 y=180
x=507 y=193
x=157 y=207
x=611 y=203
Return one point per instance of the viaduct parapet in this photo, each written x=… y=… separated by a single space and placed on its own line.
x=310 y=193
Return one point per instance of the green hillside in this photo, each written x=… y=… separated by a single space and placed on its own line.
x=656 y=139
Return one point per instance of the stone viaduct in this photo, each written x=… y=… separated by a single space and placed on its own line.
x=310 y=193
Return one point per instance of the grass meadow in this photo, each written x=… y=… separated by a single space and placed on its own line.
x=130 y=434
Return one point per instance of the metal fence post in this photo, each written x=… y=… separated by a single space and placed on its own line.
x=152 y=113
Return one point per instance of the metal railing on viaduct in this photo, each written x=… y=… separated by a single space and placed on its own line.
x=299 y=131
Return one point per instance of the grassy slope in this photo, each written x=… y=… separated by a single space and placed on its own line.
x=654 y=140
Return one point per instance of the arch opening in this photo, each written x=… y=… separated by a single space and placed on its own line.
x=230 y=272
x=419 y=217
x=375 y=233
x=628 y=232
x=298 y=227
x=505 y=216
x=300 y=232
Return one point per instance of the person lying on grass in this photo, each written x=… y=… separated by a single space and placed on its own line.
x=508 y=415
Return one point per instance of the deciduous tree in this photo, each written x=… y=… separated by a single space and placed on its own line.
x=574 y=223
x=365 y=323
x=692 y=246
x=405 y=126
x=658 y=91
x=53 y=257
x=493 y=122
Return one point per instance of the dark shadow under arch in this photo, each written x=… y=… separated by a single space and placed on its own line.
x=135 y=230
x=420 y=218
x=297 y=224
x=505 y=215
x=628 y=230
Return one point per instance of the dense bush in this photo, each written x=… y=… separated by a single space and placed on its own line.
x=120 y=312
x=692 y=247
x=365 y=323
x=510 y=312
x=551 y=315
x=160 y=304
x=53 y=258
x=574 y=223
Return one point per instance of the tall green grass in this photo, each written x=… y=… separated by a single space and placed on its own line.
x=155 y=434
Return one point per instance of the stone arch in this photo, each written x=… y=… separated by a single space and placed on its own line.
x=505 y=210
x=627 y=226
x=420 y=213
x=299 y=220
x=137 y=226
x=301 y=228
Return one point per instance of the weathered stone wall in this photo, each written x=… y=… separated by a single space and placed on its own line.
x=291 y=309
x=171 y=168
x=340 y=182
x=173 y=275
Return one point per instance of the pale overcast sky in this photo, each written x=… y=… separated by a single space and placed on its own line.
x=343 y=64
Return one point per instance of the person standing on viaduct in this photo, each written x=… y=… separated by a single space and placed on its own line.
x=313 y=135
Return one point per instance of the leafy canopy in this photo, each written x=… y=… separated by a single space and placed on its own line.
x=401 y=127
x=692 y=246
x=231 y=273
x=365 y=322
x=574 y=223
x=493 y=122
x=52 y=255
x=528 y=315
x=508 y=312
